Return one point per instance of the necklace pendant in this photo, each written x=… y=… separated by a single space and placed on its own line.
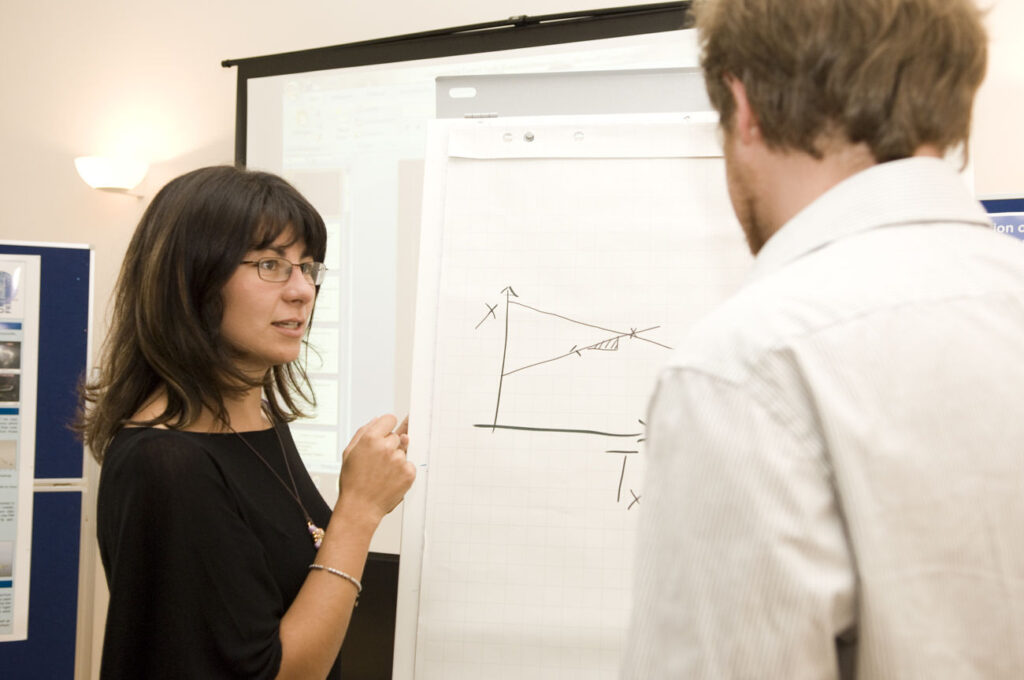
x=316 y=532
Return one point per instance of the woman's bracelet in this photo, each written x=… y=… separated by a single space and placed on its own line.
x=337 y=572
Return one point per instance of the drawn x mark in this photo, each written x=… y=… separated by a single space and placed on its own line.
x=490 y=313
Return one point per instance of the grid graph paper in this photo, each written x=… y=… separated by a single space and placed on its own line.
x=560 y=264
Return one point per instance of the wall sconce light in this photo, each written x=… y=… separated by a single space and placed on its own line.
x=111 y=174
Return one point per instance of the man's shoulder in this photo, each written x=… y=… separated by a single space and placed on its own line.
x=848 y=281
x=733 y=338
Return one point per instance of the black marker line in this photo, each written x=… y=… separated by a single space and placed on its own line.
x=546 y=361
x=609 y=345
x=490 y=312
x=636 y=499
x=618 y=496
x=552 y=429
x=565 y=318
x=653 y=342
x=600 y=328
x=577 y=350
x=620 y=451
x=504 y=353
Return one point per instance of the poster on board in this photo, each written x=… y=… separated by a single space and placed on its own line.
x=1010 y=223
x=1006 y=213
x=19 y=351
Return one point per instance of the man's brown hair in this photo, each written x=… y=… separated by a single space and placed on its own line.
x=892 y=74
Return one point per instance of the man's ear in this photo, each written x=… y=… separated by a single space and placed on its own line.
x=745 y=125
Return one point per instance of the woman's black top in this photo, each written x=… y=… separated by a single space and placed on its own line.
x=204 y=551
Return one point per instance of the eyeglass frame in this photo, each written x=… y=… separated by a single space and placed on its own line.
x=311 y=277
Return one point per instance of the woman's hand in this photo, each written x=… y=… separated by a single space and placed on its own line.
x=374 y=477
x=375 y=473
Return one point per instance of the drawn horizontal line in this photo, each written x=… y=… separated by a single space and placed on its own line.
x=556 y=429
x=620 y=451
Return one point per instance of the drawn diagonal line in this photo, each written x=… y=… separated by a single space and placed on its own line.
x=606 y=346
x=565 y=318
x=580 y=349
x=636 y=334
x=590 y=325
x=546 y=361
x=490 y=312
x=553 y=429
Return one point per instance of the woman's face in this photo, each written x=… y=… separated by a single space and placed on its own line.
x=264 y=321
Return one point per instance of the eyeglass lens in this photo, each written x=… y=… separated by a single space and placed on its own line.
x=277 y=269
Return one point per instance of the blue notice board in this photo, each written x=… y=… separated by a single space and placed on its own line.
x=1007 y=215
x=49 y=651
x=63 y=352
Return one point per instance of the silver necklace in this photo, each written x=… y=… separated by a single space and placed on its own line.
x=316 y=532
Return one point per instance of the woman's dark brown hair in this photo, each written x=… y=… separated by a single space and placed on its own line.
x=167 y=309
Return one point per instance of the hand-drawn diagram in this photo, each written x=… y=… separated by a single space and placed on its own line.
x=616 y=341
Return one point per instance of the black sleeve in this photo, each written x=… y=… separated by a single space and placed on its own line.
x=191 y=594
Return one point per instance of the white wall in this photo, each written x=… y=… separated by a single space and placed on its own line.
x=114 y=76
x=997 y=135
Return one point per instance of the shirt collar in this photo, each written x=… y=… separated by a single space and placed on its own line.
x=906 y=191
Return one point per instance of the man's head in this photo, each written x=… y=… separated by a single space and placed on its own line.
x=893 y=75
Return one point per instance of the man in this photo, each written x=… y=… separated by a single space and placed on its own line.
x=836 y=455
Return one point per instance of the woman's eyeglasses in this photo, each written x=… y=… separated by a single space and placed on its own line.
x=278 y=269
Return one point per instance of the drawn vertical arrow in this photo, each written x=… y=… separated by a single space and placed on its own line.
x=509 y=294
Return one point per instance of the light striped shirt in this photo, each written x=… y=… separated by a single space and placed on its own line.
x=835 y=480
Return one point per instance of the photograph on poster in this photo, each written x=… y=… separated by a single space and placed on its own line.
x=11 y=303
x=10 y=388
x=6 y=559
x=8 y=454
x=10 y=355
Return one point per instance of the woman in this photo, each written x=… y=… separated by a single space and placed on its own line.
x=222 y=558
